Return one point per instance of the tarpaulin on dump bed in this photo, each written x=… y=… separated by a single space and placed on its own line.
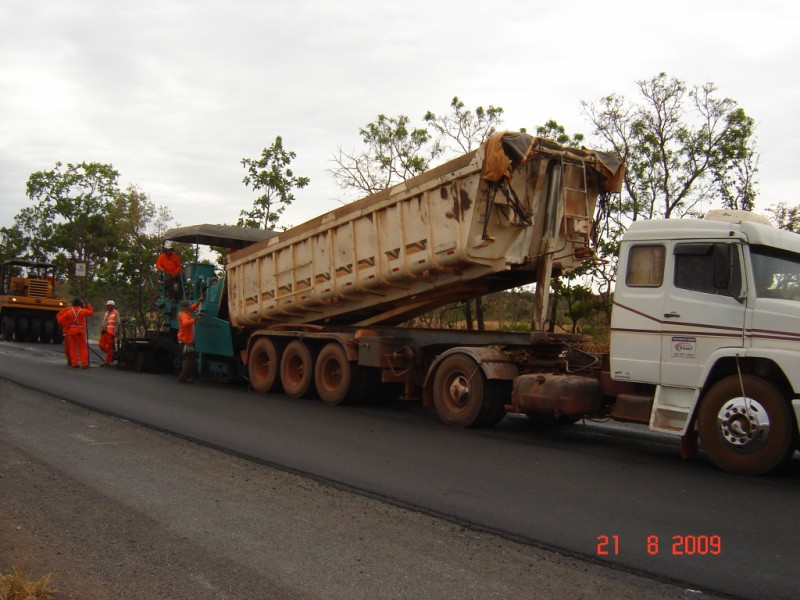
x=506 y=151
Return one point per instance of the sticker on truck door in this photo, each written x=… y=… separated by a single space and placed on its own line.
x=684 y=347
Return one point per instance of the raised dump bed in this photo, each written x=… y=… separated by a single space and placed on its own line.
x=486 y=221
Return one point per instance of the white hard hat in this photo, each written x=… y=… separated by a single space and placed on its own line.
x=167 y=245
x=111 y=302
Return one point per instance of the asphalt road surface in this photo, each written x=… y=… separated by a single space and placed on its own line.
x=616 y=495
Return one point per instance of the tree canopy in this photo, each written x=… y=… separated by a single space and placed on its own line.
x=683 y=147
x=80 y=215
x=395 y=150
x=271 y=175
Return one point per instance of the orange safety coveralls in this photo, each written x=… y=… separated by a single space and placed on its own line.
x=76 y=335
x=186 y=324
x=107 y=334
x=186 y=338
x=169 y=263
x=64 y=318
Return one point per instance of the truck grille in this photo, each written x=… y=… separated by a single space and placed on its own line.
x=38 y=288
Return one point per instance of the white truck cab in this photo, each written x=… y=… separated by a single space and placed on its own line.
x=708 y=311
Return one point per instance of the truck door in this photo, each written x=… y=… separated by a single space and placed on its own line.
x=703 y=308
x=636 y=318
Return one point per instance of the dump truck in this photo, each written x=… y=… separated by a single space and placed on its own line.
x=28 y=303
x=697 y=348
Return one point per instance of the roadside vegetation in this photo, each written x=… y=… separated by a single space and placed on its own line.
x=17 y=586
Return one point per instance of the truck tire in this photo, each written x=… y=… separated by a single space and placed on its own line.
x=463 y=396
x=48 y=330
x=263 y=362
x=58 y=333
x=7 y=328
x=749 y=435
x=21 y=329
x=337 y=381
x=297 y=370
x=35 y=329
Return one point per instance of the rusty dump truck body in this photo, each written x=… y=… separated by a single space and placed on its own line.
x=487 y=221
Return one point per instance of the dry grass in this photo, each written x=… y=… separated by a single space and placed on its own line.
x=16 y=586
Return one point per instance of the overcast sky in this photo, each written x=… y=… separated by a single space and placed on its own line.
x=174 y=93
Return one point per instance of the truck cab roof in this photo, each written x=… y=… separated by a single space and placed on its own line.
x=754 y=232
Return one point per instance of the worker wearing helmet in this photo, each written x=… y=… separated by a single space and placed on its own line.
x=74 y=325
x=108 y=332
x=186 y=322
x=169 y=263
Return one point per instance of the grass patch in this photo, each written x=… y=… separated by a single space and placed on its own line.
x=17 y=586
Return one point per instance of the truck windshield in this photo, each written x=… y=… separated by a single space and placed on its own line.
x=776 y=273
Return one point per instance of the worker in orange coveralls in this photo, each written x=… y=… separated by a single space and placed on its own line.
x=76 y=333
x=186 y=339
x=108 y=332
x=64 y=318
x=169 y=263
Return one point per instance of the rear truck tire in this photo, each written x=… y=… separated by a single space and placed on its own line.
x=297 y=370
x=21 y=329
x=749 y=435
x=58 y=333
x=36 y=329
x=263 y=364
x=336 y=379
x=464 y=397
x=48 y=329
x=7 y=328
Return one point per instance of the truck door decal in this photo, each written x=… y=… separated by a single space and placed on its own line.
x=684 y=347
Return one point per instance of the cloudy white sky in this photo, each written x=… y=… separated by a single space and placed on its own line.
x=174 y=93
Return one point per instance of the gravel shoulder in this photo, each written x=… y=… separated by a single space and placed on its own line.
x=115 y=510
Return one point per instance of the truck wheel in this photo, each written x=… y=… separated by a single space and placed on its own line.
x=36 y=329
x=7 y=326
x=334 y=376
x=463 y=396
x=58 y=333
x=21 y=329
x=263 y=362
x=297 y=370
x=749 y=435
x=48 y=329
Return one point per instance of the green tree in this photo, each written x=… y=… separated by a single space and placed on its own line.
x=785 y=216
x=463 y=130
x=13 y=244
x=126 y=276
x=394 y=152
x=578 y=300
x=682 y=147
x=69 y=223
x=272 y=176
x=553 y=130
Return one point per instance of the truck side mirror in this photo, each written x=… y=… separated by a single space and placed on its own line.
x=722 y=266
